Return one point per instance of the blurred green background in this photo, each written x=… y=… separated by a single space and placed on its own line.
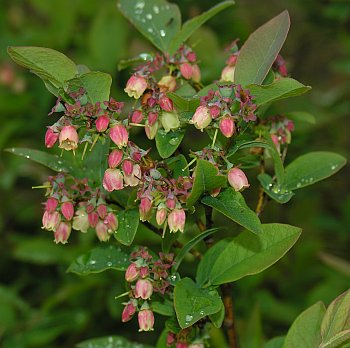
x=43 y=306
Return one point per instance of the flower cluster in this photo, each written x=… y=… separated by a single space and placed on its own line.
x=71 y=203
x=183 y=339
x=145 y=276
x=224 y=109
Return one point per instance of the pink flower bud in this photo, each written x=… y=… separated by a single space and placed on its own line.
x=176 y=220
x=151 y=131
x=145 y=209
x=170 y=203
x=143 y=289
x=215 y=192
x=167 y=84
x=102 y=232
x=119 y=135
x=196 y=73
x=161 y=216
x=191 y=57
x=67 y=210
x=63 y=232
x=227 y=126
x=134 y=178
x=186 y=70
x=113 y=180
x=127 y=167
x=93 y=219
x=170 y=339
x=152 y=102
x=135 y=86
x=237 y=179
x=50 y=138
x=152 y=118
x=128 y=312
x=214 y=111
x=146 y=320
x=166 y=103
x=201 y=118
x=144 y=272
x=51 y=205
x=181 y=345
x=81 y=221
x=132 y=273
x=102 y=123
x=102 y=211
x=137 y=116
x=112 y=222
x=51 y=220
x=232 y=59
x=228 y=74
x=68 y=138
x=115 y=158
x=170 y=121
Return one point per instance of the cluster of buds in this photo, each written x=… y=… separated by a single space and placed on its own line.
x=280 y=128
x=183 y=340
x=145 y=276
x=97 y=120
x=224 y=109
x=75 y=205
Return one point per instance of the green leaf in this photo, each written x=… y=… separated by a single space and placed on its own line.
x=276 y=342
x=280 y=195
x=176 y=164
x=167 y=143
x=158 y=20
x=110 y=342
x=260 y=50
x=218 y=317
x=280 y=89
x=141 y=58
x=249 y=253
x=100 y=259
x=48 y=64
x=188 y=246
x=128 y=222
x=312 y=167
x=166 y=308
x=335 y=327
x=305 y=331
x=184 y=104
x=53 y=162
x=193 y=24
x=207 y=178
x=233 y=205
x=243 y=144
x=193 y=303
x=97 y=85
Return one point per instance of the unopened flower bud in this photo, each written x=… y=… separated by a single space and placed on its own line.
x=132 y=273
x=102 y=211
x=166 y=103
x=167 y=84
x=196 y=73
x=68 y=138
x=161 y=216
x=228 y=74
x=227 y=126
x=191 y=57
x=115 y=158
x=135 y=86
x=145 y=209
x=237 y=179
x=170 y=339
x=146 y=320
x=93 y=219
x=102 y=123
x=170 y=202
x=152 y=118
x=102 y=231
x=176 y=220
x=51 y=220
x=143 y=289
x=81 y=221
x=170 y=121
x=51 y=205
x=113 y=180
x=62 y=232
x=144 y=272
x=151 y=131
x=127 y=167
x=67 y=210
x=50 y=138
x=128 y=311
x=201 y=118
x=112 y=222
x=186 y=70
x=119 y=135
x=151 y=102
x=181 y=345
x=137 y=117
x=214 y=111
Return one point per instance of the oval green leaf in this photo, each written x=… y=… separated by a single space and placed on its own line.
x=128 y=222
x=167 y=143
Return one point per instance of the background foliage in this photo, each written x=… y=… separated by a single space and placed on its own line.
x=41 y=304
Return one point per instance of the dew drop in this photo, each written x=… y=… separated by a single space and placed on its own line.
x=173 y=277
x=333 y=167
x=162 y=33
x=201 y=312
x=149 y=16
x=92 y=262
x=150 y=30
x=139 y=5
x=27 y=157
x=173 y=141
x=109 y=264
x=189 y=317
x=156 y=9
x=298 y=184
